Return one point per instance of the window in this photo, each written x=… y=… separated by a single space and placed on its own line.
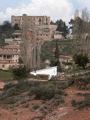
x=4 y=56
x=9 y=56
x=3 y=66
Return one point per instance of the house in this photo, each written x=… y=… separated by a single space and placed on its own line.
x=58 y=35
x=50 y=71
x=65 y=58
x=9 y=56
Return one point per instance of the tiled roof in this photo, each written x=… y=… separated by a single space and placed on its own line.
x=7 y=62
x=10 y=49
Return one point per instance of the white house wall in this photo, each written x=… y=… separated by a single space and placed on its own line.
x=52 y=71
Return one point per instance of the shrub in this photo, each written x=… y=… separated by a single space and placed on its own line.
x=81 y=60
x=45 y=92
x=9 y=85
x=58 y=99
x=35 y=107
x=83 y=103
x=20 y=72
x=33 y=89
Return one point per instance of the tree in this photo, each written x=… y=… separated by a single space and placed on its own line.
x=77 y=27
x=52 y=23
x=85 y=15
x=6 y=31
x=81 y=60
x=57 y=61
x=16 y=27
x=20 y=72
x=62 y=27
x=80 y=27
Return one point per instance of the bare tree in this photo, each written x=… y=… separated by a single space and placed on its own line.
x=81 y=30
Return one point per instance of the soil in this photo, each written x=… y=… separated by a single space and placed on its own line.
x=64 y=112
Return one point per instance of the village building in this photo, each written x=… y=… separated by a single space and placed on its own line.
x=10 y=52
x=9 y=56
x=35 y=31
x=50 y=72
x=58 y=35
x=66 y=59
x=27 y=41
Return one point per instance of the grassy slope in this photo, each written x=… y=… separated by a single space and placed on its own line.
x=5 y=75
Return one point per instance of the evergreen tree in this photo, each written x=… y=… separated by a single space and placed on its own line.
x=62 y=27
x=6 y=31
x=57 y=63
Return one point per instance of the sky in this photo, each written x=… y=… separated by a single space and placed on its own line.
x=56 y=9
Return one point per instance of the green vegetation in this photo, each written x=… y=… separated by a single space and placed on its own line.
x=65 y=47
x=62 y=27
x=57 y=61
x=82 y=104
x=13 y=93
x=6 y=75
x=20 y=72
x=46 y=92
x=15 y=73
x=6 y=31
x=81 y=60
x=83 y=83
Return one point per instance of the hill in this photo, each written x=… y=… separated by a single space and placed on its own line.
x=65 y=46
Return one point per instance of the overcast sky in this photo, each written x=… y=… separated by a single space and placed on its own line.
x=56 y=9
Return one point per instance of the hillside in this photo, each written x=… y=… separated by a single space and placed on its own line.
x=65 y=46
x=52 y=100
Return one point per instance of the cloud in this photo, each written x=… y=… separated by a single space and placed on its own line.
x=84 y=4
x=56 y=9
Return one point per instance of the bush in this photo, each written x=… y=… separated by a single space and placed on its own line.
x=20 y=72
x=81 y=60
x=82 y=104
x=44 y=92
x=83 y=83
x=32 y=90
x=9 y=85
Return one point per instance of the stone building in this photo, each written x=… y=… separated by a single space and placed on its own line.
x=10 y=53
x=16 y=20
x=9 y=56
x=32 y=20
